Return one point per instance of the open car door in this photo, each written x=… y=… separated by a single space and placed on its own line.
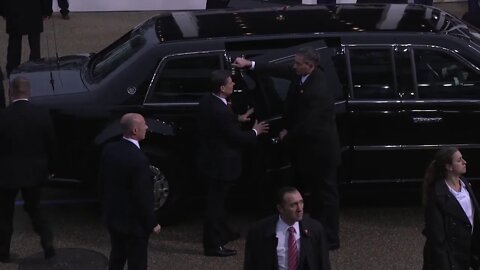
x=268 y=93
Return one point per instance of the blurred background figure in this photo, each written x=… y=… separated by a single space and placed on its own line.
x=63 y=5
x=24 y=17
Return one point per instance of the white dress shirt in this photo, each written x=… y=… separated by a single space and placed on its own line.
x=282 y=245
x=132 y=141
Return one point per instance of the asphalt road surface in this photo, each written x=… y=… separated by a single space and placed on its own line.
x=378 y=231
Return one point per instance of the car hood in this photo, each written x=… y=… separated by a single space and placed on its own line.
x=62 y=75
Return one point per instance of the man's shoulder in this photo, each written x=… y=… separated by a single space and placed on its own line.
x=265 y=223
x=118 y=146
x=311 y=224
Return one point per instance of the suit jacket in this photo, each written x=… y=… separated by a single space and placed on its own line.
x=25 y=16
x=309 y=112
x=127 y=189
x=450 y=242
x=261 y=246
x=221 y=140
x=27 y=145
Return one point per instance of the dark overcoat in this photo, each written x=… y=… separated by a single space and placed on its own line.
x=27 y=145
x=261 y=246
x=309 y=114
x=450 y=243
x=25 y=16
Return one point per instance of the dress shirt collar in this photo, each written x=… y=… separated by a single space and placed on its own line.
x=221 y=98
x=19 y=99
x=282 y=226
x=132 y=141
x=304 y=78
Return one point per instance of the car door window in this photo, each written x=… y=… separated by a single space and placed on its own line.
x=441 y=75
x=372 y=73
x=184 y=79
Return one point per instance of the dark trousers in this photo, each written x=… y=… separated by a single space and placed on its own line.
x=3 y=103
x=127 y=248
x=316 y=177
x=215 y=229
x=31 y=197
x=63 y=5
x=14 y=50
x=212 y=4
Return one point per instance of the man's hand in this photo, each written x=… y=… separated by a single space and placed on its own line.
x=157 y=229
x=241 y=63
x=261 y=127
x=282 y=134
x=246 y=116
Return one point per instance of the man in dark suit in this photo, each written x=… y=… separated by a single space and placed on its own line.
x=63 y=5
x=26 y=153
x=219 y=158
x=24 y=17
x=310 y=134
x=287 y=240
x=128 y=196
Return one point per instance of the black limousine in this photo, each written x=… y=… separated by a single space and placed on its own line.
x=406 y=80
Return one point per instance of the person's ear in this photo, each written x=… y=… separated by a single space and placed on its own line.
x=449 y=167
x=279 y=208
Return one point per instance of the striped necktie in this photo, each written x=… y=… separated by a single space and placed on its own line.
x=292 y=250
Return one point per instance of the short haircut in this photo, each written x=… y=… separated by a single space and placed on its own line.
x=219 y=78
x=282 y=191
x=128 y=121
x=310 y=55
x=20 y=88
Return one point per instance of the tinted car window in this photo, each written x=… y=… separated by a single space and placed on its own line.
x=185 y=78
x=372 y=73
x=116 y=54
x=441 y=75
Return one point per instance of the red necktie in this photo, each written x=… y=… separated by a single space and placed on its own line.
x=292 y=250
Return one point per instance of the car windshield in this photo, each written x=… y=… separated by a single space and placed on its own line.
x=114 y=55
x=450 y=25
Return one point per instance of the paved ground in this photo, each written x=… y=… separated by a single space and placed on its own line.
x=373 y=237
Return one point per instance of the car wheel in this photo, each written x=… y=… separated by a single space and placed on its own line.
x=165 y=200
x=161 y=188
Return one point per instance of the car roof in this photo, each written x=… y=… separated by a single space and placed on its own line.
x=301 y=20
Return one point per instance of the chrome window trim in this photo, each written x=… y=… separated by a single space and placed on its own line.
x=445 y=101
x=389 y=47
x=370 y=101
x=449 y=52
x=170 y=104
x=164 y=60
x=412 y=147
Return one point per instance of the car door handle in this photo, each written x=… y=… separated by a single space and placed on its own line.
x=427 y=119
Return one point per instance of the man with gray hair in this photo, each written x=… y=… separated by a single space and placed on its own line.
x=310 y=134
x=27 y=143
